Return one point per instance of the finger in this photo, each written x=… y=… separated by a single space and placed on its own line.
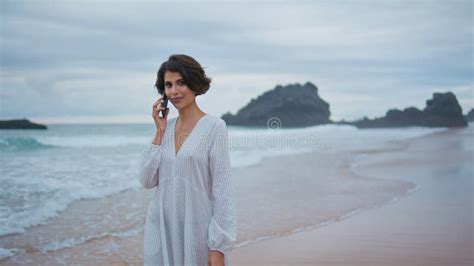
x=157 y=106
x=159 y=100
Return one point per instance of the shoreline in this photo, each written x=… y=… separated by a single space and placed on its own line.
x=423 y=228
x=127 y=248
x=389 y=147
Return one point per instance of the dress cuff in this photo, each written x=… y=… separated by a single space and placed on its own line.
x=218 y=239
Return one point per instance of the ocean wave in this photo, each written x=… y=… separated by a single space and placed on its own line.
x=5 y=253
x=93 y=141
x=77 y=241
x=16 y=222
x=22 y=143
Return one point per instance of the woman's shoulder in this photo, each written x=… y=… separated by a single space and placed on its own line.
x=216 y=121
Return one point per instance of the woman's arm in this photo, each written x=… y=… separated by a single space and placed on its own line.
x=149 y=163
x=158 y=136
x=223 y=227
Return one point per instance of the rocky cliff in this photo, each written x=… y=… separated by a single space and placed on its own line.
x=293 y=105
x=443 y=110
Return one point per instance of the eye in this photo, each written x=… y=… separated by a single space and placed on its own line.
x=167 y=84
x=181 y=83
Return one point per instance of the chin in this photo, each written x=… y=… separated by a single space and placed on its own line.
x=179 y=106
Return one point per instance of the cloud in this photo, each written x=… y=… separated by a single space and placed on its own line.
x=365 y=56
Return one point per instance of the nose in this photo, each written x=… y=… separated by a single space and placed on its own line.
x=173 y=90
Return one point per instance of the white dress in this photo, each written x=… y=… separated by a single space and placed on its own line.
x=192 y=210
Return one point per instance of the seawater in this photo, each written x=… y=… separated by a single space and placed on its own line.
x=43 y=171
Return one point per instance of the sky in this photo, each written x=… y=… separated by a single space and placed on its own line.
x=96 y=61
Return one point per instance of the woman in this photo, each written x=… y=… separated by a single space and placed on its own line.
x=191 y=218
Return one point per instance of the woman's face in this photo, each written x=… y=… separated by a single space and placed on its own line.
x=177 y=91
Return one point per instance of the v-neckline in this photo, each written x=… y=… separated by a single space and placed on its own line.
x=176 y=153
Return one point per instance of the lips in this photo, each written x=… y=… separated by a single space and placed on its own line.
x=174 y=100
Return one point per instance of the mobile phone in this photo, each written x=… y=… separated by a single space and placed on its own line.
x=164 y=104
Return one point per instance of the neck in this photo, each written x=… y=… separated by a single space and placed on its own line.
x=189 y=113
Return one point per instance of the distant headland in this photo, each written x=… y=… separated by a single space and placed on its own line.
x=20 y=124
x=298 y=105
x=443 y=110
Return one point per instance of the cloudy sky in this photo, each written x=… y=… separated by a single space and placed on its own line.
x=93 y=61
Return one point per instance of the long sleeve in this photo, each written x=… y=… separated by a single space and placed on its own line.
x=223 y=226
x=148 y=165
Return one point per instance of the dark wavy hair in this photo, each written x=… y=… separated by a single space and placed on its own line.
x=191 y=71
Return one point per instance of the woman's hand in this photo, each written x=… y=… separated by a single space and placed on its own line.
x=215 y=258
x=160 y=122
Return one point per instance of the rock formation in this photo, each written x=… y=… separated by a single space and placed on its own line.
x=293 y=105
x=20 y=124
x=441 y=111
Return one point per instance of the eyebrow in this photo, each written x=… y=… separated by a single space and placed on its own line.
x=176 y=80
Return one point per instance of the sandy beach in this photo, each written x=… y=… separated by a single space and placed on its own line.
x=431 y=226
x=406 y=203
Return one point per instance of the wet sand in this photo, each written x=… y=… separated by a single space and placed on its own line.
x=431 y=226
x=311 y=208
